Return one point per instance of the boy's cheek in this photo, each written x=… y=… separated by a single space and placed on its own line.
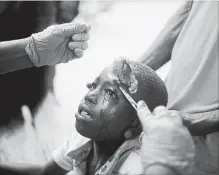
x=108 y=111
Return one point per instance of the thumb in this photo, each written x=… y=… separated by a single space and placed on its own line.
x=143 y=113
x=70 y=29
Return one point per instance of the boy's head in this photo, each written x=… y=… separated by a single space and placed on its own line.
x=105 y=113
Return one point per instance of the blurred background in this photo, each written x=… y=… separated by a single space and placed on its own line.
x=38 y=104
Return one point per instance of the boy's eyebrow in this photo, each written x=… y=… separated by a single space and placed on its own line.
x=112 y=83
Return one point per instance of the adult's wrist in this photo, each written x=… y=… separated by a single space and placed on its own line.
x=13 y=56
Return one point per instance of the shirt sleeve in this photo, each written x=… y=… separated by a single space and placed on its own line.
x=61 y=158
x=161 y=49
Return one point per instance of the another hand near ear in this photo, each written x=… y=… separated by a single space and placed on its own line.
x=134 y=130
x=165 y=141
x=58 y=44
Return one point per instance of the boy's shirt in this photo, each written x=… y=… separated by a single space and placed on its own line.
x=72 y=156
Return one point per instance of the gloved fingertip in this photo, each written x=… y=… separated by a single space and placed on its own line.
x=84 y=26
x=79 y=56
x=74 y=37
x=84 y=45
x=70 y=46
x=141 y=104
x=88 y=27
x=87 y=37
x=159 y=109
x=81 y=27
x=78 y=53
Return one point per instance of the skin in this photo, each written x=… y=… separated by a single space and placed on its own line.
x=13 y=56
x=122 y=73
x=110 y=112
x=111 y=115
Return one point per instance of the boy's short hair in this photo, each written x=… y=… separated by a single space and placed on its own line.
x=151 y=88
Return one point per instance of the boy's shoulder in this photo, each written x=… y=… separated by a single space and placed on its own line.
x=130 y=163
x=126 y=160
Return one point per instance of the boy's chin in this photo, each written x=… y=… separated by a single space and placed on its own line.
x=87 y=132
x=83 y=130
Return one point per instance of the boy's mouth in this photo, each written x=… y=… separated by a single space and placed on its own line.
x=83 y=113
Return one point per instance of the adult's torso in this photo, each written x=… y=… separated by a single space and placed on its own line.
x=192 y=82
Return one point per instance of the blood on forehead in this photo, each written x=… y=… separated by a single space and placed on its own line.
x=121 y=72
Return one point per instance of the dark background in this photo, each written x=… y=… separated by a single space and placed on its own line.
x=29 y=86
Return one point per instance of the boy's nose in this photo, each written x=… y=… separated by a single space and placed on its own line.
x=91 y=98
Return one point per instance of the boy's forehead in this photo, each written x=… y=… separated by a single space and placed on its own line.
x=104 y=76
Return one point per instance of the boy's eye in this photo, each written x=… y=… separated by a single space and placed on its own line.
x=110 y=93
x=91 y=86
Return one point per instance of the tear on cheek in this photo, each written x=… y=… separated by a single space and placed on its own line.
x=121 y=72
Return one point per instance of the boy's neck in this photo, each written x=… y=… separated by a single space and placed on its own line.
x=106 y=148
x=102 y=151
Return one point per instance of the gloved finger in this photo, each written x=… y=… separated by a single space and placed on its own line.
x=78 y=53
x=81 y=37
x=143 y=113
x=160 y=111
x=88 y=28
x=79 y=45
x=70 y=29
x=176 y=117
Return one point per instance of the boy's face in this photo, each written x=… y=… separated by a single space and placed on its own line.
x=104 y=113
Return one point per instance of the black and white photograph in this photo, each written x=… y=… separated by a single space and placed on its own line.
x=109 y=87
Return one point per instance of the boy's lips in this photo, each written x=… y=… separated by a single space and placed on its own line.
x=83 y=113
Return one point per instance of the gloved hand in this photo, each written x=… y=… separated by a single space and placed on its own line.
x=58 y=44
x=165 y=140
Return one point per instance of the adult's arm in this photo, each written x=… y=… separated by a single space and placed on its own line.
x=56 y=44
x=160 y=51
x=50 y=169
x=200 y=124
x=160 y=170
x=13 y=56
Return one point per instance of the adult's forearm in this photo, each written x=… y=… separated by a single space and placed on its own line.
x=160 y=51
x=160 y=170
x=8 y=170
x=13 y=56
x=200 y=124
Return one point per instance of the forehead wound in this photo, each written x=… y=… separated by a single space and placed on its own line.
x=121 y=72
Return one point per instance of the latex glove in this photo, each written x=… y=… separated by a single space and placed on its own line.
x=165 y=140
x=58 y=44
